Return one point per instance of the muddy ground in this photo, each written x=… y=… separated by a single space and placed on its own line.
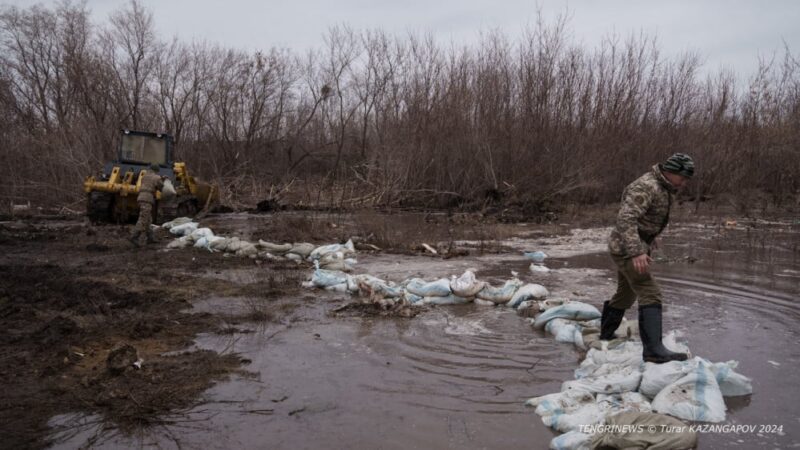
x=234 y=353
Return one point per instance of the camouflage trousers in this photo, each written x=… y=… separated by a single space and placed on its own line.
x=632 y=285
x=145 y=219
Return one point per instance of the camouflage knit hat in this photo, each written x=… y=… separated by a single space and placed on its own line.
x=155 y=167
x=680 y=163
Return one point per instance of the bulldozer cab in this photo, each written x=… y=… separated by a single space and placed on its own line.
x=145 y=148
x=139 y=149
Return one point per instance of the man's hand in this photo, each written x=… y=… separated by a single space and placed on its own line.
x=641 y=263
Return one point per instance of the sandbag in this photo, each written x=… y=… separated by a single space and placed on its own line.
x=200 y=233
x=560 y=402
x=565 y=330
x=275 y=249
x=500 y=294
x=302 y=248
x=669 y=433
x=528 y=292
x=176 y=222
x=621 y=380
x=370 y=285
x=324 y=278
x=246 y=249
x=438 y=288
x=696 y=396
x=588 y=414
x=571 y=310
x=658 y=376
x=345 y=265
x=221 y=245
x=319 y=252
x=730 y=382
x=572 y=440
x=540 y=268
x=184 y=228
x=466 y=285
x=168 y=190
x=206 y=241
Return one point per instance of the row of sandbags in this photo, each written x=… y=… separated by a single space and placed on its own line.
x=417 y=291
x=333 y=257
x=613 y=379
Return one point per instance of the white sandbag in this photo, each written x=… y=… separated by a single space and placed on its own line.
x=696 y=396
x=560 y=402
x=176 y=222
x=537 y=256
x=565 y=330
x=572 y=440
x=501 y=294
x=247 y=249
x=466 y=285
x=206 y=241
x=539 y=268
x=624 y=401
x=480 y=302
x=319 y=252
x=294 y=257
x=275 y=249
x=625 y=379
x=673 y=342
x=324 y=278
x=658 y=376
x=588 y=414
x=184 y=228
x=181 y=242
x=627 y=354
x=370 y=285
x=528 y=292
x=411 y=299
x=236 y=244
x=544 y=305
x=221 y=244
x=345 y=265
x=302 y=248
x=168 y=190
x=341 y=288
x=730 y=382
x=445 y=300
x=571 y=310
x=438 y=288
x=199 y=233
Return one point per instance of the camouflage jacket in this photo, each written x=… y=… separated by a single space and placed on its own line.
x=643 y=214
x=151 y=182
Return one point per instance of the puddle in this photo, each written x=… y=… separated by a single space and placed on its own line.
x=457 y=376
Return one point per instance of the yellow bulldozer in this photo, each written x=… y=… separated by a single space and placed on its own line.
x=112 y=196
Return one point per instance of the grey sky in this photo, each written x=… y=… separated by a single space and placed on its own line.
x=731 y=33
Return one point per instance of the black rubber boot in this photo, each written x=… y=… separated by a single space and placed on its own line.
x=650 y=332
x=609 y=321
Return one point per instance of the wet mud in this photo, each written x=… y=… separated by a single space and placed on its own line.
x=318 y=370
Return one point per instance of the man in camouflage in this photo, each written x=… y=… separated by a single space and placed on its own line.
x=643 y=215
x=151 y=182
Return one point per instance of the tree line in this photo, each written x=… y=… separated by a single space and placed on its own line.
x=374 y=119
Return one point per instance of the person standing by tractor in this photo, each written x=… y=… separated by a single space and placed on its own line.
x=151 y=182
x=643 y=215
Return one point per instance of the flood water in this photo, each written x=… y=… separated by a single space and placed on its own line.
x=458 y=376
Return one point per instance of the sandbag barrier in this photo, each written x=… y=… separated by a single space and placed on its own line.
x=612 y=385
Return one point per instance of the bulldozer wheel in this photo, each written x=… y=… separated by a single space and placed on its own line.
x=98 y=206
x=187 y=208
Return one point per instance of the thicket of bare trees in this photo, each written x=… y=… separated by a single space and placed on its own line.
x=370 y=118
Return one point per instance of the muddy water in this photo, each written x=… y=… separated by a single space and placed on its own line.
x=457 y=376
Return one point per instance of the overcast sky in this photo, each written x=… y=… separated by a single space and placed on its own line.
x=732 y=33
